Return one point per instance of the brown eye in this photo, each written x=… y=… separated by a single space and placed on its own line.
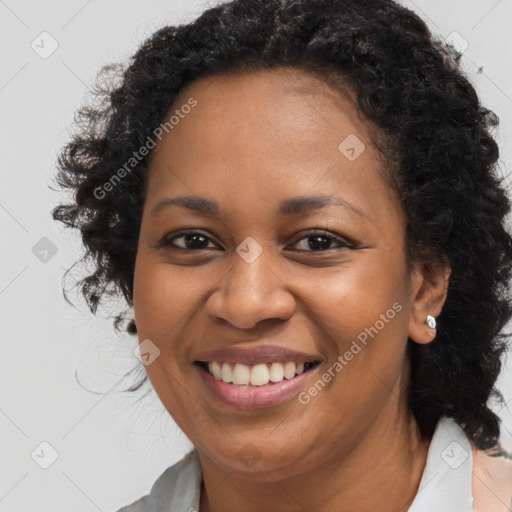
x=322 y=241
x=190 y=240
x=196 y=240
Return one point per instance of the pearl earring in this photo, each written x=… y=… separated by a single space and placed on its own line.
x=431 y=321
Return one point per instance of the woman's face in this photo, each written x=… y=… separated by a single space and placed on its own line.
x=273 y=267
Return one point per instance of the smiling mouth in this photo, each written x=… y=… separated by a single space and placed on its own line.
x=242 y=375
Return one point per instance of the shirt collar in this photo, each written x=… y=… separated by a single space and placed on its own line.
x=446 y=480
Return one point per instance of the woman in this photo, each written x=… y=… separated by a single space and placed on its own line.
x=300 y=202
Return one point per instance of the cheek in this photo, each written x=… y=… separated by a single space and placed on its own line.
x=348 y=300
x=163 y=298
x=362 y=318
x=362 y=313
x=163 y=301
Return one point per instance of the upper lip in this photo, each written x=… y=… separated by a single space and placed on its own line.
x=256 y=355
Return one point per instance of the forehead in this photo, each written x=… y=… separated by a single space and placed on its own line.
x=262 y=106
x=282 y=98
x=281 y=127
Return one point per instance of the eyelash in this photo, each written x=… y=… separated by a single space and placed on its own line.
x=167 y=241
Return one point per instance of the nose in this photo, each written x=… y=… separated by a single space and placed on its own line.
x=250 y=293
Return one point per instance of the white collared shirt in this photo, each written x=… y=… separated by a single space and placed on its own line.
x=445 y=484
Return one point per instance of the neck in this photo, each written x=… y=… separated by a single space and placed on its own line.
x=382 y=473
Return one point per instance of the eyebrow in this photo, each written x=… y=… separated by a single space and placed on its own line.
x=292 y=206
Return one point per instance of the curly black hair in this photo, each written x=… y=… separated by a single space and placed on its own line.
x=427 y=122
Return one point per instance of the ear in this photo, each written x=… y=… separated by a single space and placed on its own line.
x=429 y=287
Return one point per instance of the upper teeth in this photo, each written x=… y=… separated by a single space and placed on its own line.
x=257 y=375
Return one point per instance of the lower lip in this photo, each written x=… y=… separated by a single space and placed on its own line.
x=254 y=397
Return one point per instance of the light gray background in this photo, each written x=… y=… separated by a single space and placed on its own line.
x=110 y=448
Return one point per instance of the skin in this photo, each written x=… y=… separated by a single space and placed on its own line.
x=252 y=141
